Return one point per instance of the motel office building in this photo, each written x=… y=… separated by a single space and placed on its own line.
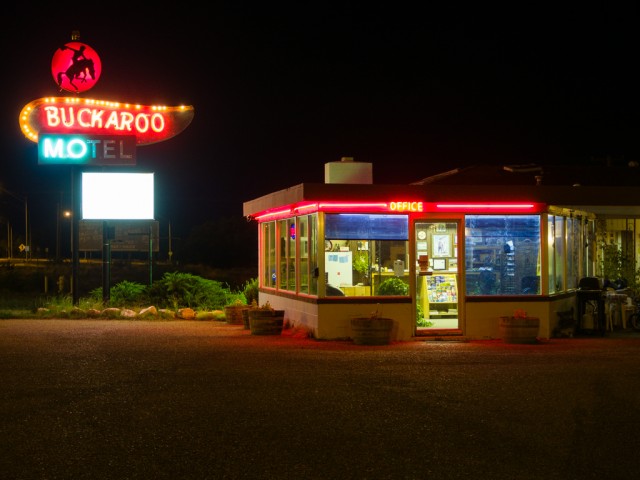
x=468 y=245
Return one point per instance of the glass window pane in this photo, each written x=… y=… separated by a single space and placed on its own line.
x=366 y=227
x=574 y=241
x=268 y=278
x=286 y=233
x=502 y=254
x=313 y=254
x=366 y=255
x=366 y=268
x=303 y=236
x=559 y=252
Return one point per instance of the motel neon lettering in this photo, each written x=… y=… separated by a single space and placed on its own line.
x=100 y=119
x=81 y=148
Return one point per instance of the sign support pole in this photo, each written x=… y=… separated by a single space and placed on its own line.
x=106 y=264
x=150 y=253
x=76 y=196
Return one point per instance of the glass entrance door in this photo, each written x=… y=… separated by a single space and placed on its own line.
x=437 y=296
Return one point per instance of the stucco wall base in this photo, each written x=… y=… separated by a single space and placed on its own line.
x=336 y=317
x=483 y=318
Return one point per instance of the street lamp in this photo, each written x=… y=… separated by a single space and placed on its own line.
x=68 y=214
x=64 y=214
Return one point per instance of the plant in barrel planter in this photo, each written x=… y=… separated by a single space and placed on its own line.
x=265 y=320
x=519 y=328
x=233 y=313
x=373 y=329
x=245 y=314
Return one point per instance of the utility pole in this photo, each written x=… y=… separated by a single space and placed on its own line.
x=26 y=230
x=76 y=196
x=170 y=250
x=26 y=219
x=58 y=232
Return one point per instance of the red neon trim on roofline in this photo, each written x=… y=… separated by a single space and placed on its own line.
x=349 y=206
x=277 y=213
x=485 y=206
x=307 y=208
x=394 y=207
x=312 y=207
x=343 y=207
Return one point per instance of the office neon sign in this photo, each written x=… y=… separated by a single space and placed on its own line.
x=55 y=149
x=70 y=115
x=406 y=206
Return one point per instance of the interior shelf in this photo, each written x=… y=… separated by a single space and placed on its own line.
x=442 y=295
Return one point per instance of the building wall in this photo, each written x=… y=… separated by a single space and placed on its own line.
x=482 y=318
x=336 y=324
x=297 y=313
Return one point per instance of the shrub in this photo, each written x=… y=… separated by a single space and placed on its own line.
x=122 y=294
x=127 y=293
x=179 y=290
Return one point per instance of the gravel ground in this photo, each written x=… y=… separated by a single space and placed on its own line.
x=115 y=399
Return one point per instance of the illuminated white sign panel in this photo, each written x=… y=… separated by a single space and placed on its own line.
x=117 y=196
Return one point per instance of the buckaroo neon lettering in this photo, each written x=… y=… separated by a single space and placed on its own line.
x=406 y=206
x=94 y=118
x=84 y=116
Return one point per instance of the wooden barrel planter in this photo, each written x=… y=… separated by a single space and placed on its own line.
x=519 y=330
x=265 y=322
x=233 y=314
x=245 y=318
x=371 y=330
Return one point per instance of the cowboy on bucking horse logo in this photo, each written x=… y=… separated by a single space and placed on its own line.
x=75 y=67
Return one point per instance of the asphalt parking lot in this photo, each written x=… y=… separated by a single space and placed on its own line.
x=114 y=399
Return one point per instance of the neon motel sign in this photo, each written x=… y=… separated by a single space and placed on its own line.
x=87 y=150
x=105 y=128
x=68 y=115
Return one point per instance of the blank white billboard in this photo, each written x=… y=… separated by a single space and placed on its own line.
x=117 y=196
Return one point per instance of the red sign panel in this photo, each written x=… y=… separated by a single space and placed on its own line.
x=76 y=67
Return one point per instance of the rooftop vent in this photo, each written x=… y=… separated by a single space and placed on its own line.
x=348 y=171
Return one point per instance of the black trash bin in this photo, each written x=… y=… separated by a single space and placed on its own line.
x=590 y=298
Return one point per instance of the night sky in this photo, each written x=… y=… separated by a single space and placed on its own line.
x=278 y=92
